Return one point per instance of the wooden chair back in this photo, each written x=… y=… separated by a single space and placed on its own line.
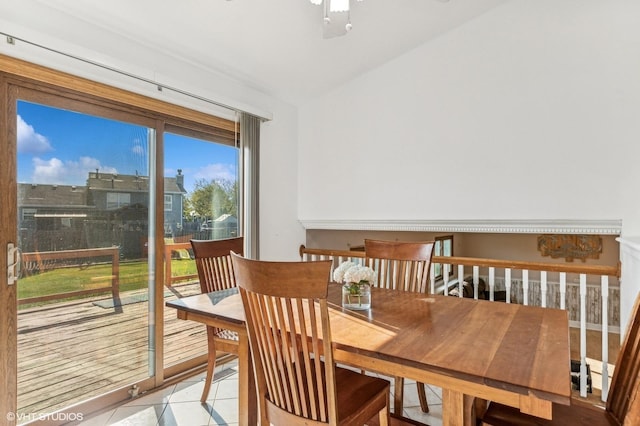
x=288 y=323
x=215 y=269
x=401 y=265
x=404 y=266
x=623 y=401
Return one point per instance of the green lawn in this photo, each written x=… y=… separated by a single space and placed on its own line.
x=133 y=276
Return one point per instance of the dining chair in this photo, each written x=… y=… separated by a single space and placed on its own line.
x=215 y=272
x=623 y=401
x=287 y=320
x=404 y=266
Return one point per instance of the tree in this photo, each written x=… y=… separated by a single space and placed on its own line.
x=187 y=208
x=214 y=198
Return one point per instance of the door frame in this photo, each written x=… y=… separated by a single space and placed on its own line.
x=15 y=74
x=8 y=234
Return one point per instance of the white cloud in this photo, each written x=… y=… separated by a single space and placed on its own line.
x=56 y=171
x=216 y=171
x=137 y=149
x=30 y=141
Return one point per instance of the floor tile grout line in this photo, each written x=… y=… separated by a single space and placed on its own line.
x=224 y=374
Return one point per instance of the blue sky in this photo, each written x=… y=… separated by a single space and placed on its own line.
x=61 y=147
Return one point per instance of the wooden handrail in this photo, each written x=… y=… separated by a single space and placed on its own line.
x=613 y=271
x=474 y=261
x=113 y=252
x=168 y=248
x=330 y=252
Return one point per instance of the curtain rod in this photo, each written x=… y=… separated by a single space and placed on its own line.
x=11 y=40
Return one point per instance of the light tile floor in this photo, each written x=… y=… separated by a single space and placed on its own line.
x=179 y=405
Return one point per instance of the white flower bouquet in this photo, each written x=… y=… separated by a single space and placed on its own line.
x=357 y=279
x=353 y=273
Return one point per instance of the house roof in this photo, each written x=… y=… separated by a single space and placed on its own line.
x=75 y=196
x=98 y=181
x=37 y=195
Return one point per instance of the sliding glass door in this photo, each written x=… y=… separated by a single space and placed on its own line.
x=98 y=187
x=85 y=206
x=200 y=202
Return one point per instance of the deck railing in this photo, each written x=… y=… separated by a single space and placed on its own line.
x=169 y=248
x=44 y=260
x=584 y=291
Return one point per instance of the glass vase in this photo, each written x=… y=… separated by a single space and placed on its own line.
x=356 y=296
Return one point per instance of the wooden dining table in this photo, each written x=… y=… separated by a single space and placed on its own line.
x=513 y=354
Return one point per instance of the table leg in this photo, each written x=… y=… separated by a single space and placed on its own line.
x=453 y=408
x=398 y=398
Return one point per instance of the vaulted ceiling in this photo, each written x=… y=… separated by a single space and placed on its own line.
x=275 y=46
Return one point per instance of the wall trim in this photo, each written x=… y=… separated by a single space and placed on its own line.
x=597 y=227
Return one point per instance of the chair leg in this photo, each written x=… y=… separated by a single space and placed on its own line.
x=480 y=406
x=398 y=396
x=211 y=365
x=422 y=396
x=383 y=416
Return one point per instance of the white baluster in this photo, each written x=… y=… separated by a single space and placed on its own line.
x=507 y=283
x=432 y=274
x=460 y=279
x=476 y=280
x=563 y=290
x=604 y=284
x=543 y=288
x=445 y=277
x=492 y=281
x=583 y=335
x=525 y=286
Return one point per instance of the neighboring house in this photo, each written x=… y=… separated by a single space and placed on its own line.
x=123 y=201
x=57 y=212
x=111 y=210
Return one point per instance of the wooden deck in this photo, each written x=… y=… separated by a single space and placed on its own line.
x=73 y=351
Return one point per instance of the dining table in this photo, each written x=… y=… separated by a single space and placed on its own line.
x=472 y=349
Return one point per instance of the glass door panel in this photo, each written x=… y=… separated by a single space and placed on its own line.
x=201 y=202
x=83 y=226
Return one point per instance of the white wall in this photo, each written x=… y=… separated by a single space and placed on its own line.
x=527 y=112
x=281 y=233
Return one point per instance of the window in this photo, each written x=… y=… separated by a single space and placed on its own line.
x=443 y=247
x=28 y=214
x=168 y=203
x=116 y=200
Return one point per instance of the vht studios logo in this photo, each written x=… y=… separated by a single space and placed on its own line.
x=56 y=417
